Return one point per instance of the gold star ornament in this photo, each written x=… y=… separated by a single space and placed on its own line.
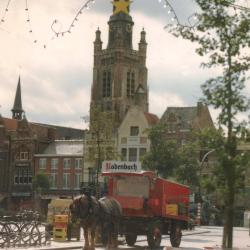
x=121 y=6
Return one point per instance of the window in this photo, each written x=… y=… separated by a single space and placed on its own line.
x=134 y=131
x=42 y=163
x=171 y=128
x=132 y=154
x=53 y=181
x=92 y=175
x=66 y=180
x=106 y=84
x=142 y=152
x=77 y=180
x=24 y=155
x=66 y=163
x=135 y=186
x=54 y=163
x=78 y=163
x=109 y=153
x=124 y=154
x=123 y=140
x=23 y=176
x=130 y=83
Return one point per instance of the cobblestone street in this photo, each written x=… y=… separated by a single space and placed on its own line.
x=205 y=237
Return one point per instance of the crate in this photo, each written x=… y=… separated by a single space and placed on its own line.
x=60 y=234
x=62 y=218
x=60 y=225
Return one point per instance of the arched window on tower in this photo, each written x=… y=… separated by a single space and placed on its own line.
x=106 y=84
x=130 y=84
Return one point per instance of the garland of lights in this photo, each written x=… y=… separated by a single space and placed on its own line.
x=5 y=12
x=58 y=33
x=192 y=19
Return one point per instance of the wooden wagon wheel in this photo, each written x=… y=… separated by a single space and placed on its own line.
x=130 y=239
x=154 y=234
x=175 y=235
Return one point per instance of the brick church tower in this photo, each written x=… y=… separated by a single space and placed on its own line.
x=119 y=73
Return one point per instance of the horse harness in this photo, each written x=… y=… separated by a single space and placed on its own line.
x=90 y=208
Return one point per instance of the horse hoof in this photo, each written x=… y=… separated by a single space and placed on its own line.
x=85 y=248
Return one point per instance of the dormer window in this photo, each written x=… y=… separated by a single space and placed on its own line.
x=134 y=131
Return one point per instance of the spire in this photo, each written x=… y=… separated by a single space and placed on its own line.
x=98 y=35
x=143 y=43
x=143 y=36
x=17 y=110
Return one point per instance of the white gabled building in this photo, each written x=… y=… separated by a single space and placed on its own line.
x=133 y=141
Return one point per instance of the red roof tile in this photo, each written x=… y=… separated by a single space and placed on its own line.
x=151 y=118
x=10 y=124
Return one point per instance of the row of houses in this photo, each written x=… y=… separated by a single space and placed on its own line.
x=28 y=148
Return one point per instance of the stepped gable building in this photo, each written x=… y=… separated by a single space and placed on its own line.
x=120 y=72
x=181 y=121
x=20 y=140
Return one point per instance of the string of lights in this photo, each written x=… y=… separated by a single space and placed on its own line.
x=5 y=12
x=240 y=7
x=58 y=33
x=56 y=26
x=192 y=19
x=28 y=20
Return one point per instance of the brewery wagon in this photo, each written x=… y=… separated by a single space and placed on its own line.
x=151 y=206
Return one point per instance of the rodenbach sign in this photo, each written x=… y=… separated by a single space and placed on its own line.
x=120 y=166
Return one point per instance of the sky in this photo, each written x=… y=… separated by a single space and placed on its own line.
x=56 y=80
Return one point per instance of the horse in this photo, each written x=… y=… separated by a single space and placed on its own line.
x=105 y=212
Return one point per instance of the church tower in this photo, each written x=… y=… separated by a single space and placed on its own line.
x=119 y=73
x=17 y=110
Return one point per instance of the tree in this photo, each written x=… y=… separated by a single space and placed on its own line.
x=223 y=36
x=41 y=183
x=163 y=155
x=99 y=140
x=188 y=170
x=170 y=159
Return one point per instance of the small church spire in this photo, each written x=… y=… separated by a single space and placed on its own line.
x=17 y=110
x=98 y=41
x=143 y=43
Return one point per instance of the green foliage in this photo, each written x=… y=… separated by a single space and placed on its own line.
x=170 y=159
x=41 y=182
x=223 y=36
x=100 y=139
x=101 y=123
x=163 y=155
x=188 y=170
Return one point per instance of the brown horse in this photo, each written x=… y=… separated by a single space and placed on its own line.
x=105 y=213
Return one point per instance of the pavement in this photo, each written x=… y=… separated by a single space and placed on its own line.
x=201 y=238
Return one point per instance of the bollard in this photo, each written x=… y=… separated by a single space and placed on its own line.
x=198 y=217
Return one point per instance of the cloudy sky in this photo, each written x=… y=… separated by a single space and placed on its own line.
x=56 y=80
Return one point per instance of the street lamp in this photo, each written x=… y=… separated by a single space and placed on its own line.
x=199 y=190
